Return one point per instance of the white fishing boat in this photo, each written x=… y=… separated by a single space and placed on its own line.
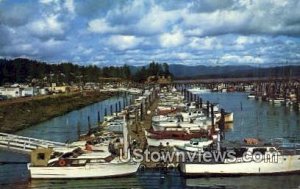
x=73 y=165
x=199 y=90
x=165 y=142
x=271 y=160
x=228 y=117
x=195 y=145
x=251 y=96
x=278 y=101
x=115 y=126
x=160 y=123
x=77 y=163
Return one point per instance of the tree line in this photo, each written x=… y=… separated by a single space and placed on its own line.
x=22 y=70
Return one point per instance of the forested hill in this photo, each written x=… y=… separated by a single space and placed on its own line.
x=23 y=70
x=193 y=72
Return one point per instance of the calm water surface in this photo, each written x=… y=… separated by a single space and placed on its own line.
x=251 y=119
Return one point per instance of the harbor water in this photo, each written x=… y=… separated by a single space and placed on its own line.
x=251 y=119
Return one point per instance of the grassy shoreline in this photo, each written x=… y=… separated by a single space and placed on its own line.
x=20 y=114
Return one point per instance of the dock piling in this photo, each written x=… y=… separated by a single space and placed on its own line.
x=98 y=118
x=207 y=108
x=89 y=123
x=212 y=115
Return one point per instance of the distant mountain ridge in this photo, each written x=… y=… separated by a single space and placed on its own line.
x=183 y=71
x=200 y=71
x=180 y=71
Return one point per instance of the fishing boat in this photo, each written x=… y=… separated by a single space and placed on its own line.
x=228 y=117
x=46 y=164
x=195 y=145
x=271 y=160
x=115 y=126
x=164 y=110
x=172 y=136
x=277 y=101
x=199 y=90
x=160 y=123
x=251 y=96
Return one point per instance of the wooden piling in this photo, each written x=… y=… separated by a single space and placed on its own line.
x=195 y=97
x=201 y=103
x=222 y=124
x=116 y=109
x=142 y=111
x=98 y=118
x=207 y=108
x=89 y=123
x=78 y=130
x=212 y=115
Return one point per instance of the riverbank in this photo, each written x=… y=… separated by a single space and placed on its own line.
x=20 y=114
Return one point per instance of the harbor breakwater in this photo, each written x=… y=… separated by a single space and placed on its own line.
x=19 y=114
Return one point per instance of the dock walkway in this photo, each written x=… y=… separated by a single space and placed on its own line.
x=25 y=145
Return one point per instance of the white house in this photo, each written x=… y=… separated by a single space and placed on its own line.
x=29 y=91
x=43 y=91
x=10 y=92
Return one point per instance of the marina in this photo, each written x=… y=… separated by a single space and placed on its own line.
x=150 y=94
x=249 y=126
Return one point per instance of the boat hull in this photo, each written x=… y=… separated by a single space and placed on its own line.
x=171 y=142
x=190 y=148
x=229 y=117
x=87 y=171
x=285 y=164
x=191 y=127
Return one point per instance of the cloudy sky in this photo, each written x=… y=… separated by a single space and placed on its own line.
x=135 y=32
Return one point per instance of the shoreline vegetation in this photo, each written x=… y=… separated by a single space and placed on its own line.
x=18 y=114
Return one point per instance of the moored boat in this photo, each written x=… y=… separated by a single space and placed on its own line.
x=251 y=96
x=73 y=164
x=248 y=160
x=172 y=136
x=228 y=117
x=199 y=90
x=195 y=145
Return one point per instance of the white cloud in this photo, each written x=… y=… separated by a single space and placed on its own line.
x=124 y=42
x=234 y=31
x=52 y=43
x=100 y=26
x=69 y=4
x=240 y=59
x=183 y=55
x=172 y=39
x=47 y=25
x=83 y=50
x=205 y=43
x=157 y=20
x=47 y=1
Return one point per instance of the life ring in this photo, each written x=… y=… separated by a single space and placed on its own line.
x=62 y=163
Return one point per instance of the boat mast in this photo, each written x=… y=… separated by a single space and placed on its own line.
x=125 y=136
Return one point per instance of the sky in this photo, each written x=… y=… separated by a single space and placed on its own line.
x=136 y=32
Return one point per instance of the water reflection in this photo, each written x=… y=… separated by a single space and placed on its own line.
x=256 y=119
x=249 y=182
